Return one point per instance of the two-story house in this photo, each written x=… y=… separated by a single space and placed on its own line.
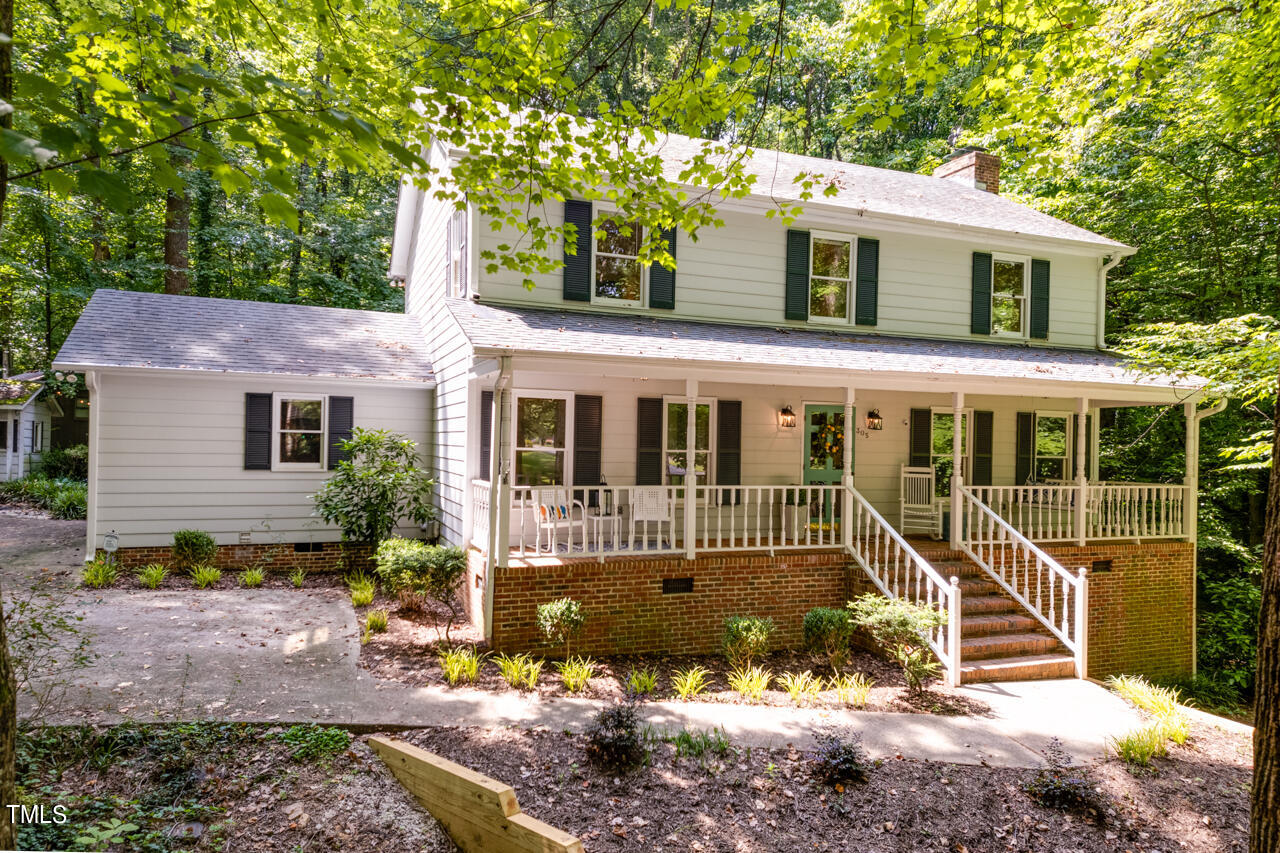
x=901 y=391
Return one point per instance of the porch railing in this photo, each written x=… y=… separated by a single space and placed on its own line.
x=728 y=518
x=480 y=491
x=899 y=572
x=1050 y=593
x=596 y=520
x=1048 y=512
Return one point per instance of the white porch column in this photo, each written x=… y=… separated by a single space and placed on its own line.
x=1191 y=478
x=846 y=504
x=690 y=479
x=1082 y=471
x=957 y=456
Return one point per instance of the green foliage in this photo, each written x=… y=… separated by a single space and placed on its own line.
x=802 y=687
x=362 y=589
x=839 y=759
x=310 y=742
x=104 y=835
x=690 y=683
x=193 y=548
x=61 y=498
x=100 y=572
x=575 y=673
x=1059 y=785
x=750 y=682
x=66 y=463
x=560 y=621
x=614 y=740
x=414 y=570
x=851 y=689
x=828 y=629
x=1138 y=747
x=298 y=577
x=520 y=671
x=745 y=639
x=380 y=484
x=462 y=663
x=1161 y=702
x=700 y=744
x=252 y=578
x=642 y=681
x=376 y=621
x=203 y=577
x=901 y=628
x=151 y=576
x=1209 y=694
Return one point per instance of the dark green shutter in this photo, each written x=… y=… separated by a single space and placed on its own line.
x=1026 y=448
x=257 y=432
x=1039 y=299
x=662 y=281
x=921 y=437
x=577 y=266
x=868 y=282
x=341 y=422
x=649 y=441
x=797 y=304
x=980 y=318
x=486 y=434
x=587 y=430
x=729 y=448
x=983 y=444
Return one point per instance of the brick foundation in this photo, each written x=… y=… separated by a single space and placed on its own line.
x=330 y=557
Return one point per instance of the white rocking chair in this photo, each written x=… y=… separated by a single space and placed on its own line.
x=553 y=512
x=649 y=506
x=918 y=506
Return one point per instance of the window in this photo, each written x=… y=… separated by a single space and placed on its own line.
x=458 y=256
x=1009 y=282
x=37 y=436
x=619 y=275
x=299 y=428
x=675 y=445
x=830 y=276
x=940 y=451
x=542 y=437
x=4 y=435
x=1052 y=449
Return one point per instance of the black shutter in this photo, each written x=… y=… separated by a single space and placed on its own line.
x=257 y=432
x=980 y=319
x=1026 y=447
x=797 y=304
x=868 y=282
x=729 y=448
x=1039 y=299
x=486 y=434
x=921 y=437
x=341 y=420
x=983 y=423
x=587 y=429
x=649 y=441
x=577 y=267
x=662 y=281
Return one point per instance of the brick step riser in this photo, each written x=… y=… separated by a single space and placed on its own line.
x=1011 y=649
x=1029 y=672
x=976 y=626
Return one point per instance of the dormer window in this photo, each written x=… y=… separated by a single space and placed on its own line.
x=830 y=277
x=619 y=275
x=1010 y=282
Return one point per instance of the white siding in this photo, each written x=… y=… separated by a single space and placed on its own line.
x=735 y=273
x=171 y=456
x=451 y=359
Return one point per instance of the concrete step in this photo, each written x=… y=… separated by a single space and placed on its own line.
x=1024 y=668
x=998 y=623
x=985 y=647
x=980 y=604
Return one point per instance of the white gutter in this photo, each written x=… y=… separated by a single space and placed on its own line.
x=1103 y=269
x=496 y=517
x=1211 y=411
x=92 y=382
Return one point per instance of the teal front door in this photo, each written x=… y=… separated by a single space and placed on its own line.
x=823 y=460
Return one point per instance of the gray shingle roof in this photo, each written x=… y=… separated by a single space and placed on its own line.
x=126 y=329
x=543 y=331
x=17 y=391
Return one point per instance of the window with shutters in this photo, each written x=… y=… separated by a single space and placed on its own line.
x=619 y=275
x=678 y=457
x=298 y=430
x=4 y=434
x=458 y=255
x=1010 y=285
x=1052 y=446
x=831 y=271
x=941 y=450
x=543 y=436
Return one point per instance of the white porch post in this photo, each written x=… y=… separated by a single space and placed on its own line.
x=1191 y=479
x=846 y=505
x=690 y=478
x=1082 y=471
x=957 y=474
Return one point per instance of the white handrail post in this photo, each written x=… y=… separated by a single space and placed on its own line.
x=953 y=634
x=957 y=477
x=502 y=536
x=690 y=469
x=1082 y=624
x=846 y=479
x=1082 y=478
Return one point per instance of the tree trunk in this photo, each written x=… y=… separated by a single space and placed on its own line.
x=1264 y=828
x=8 y=740
x=177 y=231
x=6 y=92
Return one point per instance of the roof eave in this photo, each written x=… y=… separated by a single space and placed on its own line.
x=208 y=373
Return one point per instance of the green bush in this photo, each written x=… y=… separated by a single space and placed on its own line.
x=520 y=671
x=575 y=673
x=61 y=498
x=414 y=570
x=376 y=621
x=614 y=740
x=380 y=483
x=851 y=689
x=152 y=576
x=828 y=629
x=298 y=576
x=193 y=548
x=839 y=759
x=751 y=682
x=802 y=687
x=69 y=463
x=745 y=638
x=689 y=683
x=252 y=578
x=461 y=664
x=362 y=587
x=310 y=742
x=560 y=621
x=642 y=681
x=99 y=573
x=203 y=577
x=1138 y=747
x=901 y=628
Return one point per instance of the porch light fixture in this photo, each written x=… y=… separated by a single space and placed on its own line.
x=874 y=421
x=787 y=418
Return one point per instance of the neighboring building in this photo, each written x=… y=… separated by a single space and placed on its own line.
x=25 y=424
x=570 y=424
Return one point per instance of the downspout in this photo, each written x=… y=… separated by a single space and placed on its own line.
x=92 y=384
x=495 y=490
x=1102 y=298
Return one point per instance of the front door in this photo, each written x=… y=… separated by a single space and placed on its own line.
x=823 y=456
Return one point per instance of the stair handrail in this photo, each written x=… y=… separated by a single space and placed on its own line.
x=1072 y=604
x=881 y=551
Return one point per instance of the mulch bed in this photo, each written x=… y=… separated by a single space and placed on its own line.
x=178 y=579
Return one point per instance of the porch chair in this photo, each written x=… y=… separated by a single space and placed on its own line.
x=553 y=512
x=649 y=506
x=918 y=506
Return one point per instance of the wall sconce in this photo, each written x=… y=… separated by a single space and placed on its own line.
x=787 y=418
x=874 y=421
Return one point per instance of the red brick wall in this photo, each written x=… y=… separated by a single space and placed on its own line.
x=627 y=611
x=269 y=557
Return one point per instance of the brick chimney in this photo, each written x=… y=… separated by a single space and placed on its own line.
x=972 y=167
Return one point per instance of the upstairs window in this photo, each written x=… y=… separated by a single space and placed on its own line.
x=458 y=255
x=541 y=440
x=678 y=458
x=299 y=429
x=619 y=275
x=830 y=277
x=1009 y=298
x=1052 y=448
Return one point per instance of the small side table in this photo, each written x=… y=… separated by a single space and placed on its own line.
x=599 y=522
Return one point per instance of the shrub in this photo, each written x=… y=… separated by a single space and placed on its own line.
x=311 y=742
x=413 y=570
x=852 y=689
x=1208 y=693
x=901 y=627
x=203 y=577
x=66 y=463
x=62 y=498
x=380 y=482
x=152 y=576
x=462 y=664
x=1161 y=702
x=828 y=629
x=801 y=687
x=614 y=741
x=520 y=671
x=362 y=589
x=642 y=681
x=839 y=759
x=376 y=621
x=252 y=578
x=697 y=744
x=1058 y=785
x=576 y=673
x=69 y=501
x=688 y=683
x=99 y=573
x=560 y=621
x=1137 y=748
x=298 y=577
x=750 y=682
x=193 y=548
x=745 y=638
